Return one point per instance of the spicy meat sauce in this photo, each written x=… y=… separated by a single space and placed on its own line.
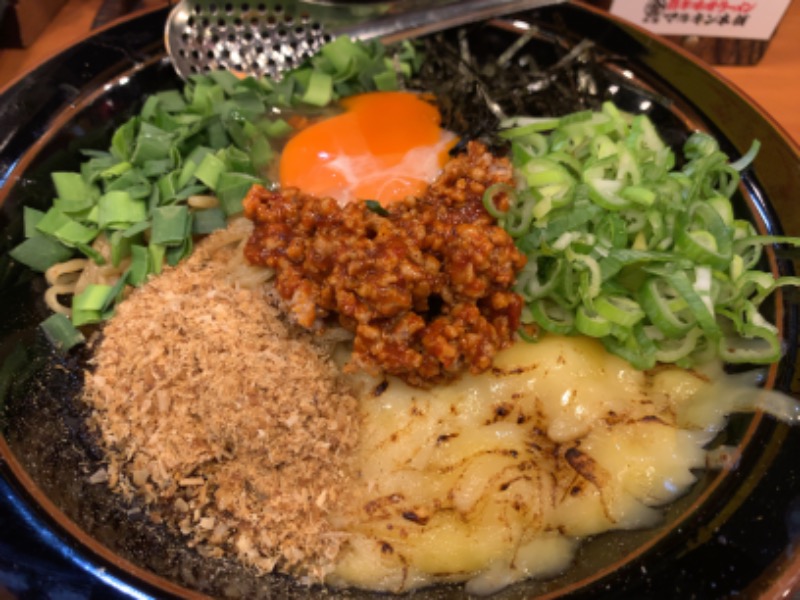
x=424 y=284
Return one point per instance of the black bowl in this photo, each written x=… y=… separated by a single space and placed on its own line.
x=734 y=533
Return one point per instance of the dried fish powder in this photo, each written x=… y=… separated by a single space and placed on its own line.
x=233 y=428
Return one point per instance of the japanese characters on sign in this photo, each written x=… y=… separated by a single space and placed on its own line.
x=745 y=19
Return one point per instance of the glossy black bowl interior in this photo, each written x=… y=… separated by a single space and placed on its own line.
x=732 y=533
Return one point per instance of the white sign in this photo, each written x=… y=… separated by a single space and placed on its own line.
x=742 y=19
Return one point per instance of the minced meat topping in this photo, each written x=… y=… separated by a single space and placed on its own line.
x=424 y=284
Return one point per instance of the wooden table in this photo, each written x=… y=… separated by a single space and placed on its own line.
x=774 y=82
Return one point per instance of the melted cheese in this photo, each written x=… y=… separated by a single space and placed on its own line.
x=494 y=478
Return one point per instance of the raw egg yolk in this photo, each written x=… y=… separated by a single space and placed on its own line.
x=385 y=146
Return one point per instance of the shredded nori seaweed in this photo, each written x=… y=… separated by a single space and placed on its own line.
x=476 y=86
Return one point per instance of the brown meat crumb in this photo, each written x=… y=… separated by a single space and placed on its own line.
x=230 y=426
x=424 y=284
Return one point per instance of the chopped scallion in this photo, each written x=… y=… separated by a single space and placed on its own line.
x=40 y=253
x=624 y=247
x=61 y=333
x=171 y=225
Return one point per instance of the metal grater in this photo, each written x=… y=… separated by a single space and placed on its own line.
x=268 y=38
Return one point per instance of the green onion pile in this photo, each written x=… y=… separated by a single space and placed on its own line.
x=213 y=138
x=624 y=247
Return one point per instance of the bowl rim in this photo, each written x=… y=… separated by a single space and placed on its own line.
x=784 y=573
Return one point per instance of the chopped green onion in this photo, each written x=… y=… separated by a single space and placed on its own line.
x=73 y=233
x=552 y=316
x=261 y=152
x=376 y=207
x=73 y=193
x=52 y=221
x=590 y=323
x=31 y=218
x=88 y=306
x=171 y=225
x=118 y=210
x=177 y=252
x=152 y=143
x=231 y=190
x=209 y=170
x=120 y=247
x=208 y=220
x=40 y=253
x=320 y=89
x=140 y=265
x=60 y=332
x=386 y=81
x=156 y=257
x=489 y=198
x=90 y=253
x=135 y=229
x=658 y=301
x=277 y=128
x=618 y=309
x=748 y=157
x=623 y=247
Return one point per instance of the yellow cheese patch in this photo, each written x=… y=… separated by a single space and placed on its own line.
x=493 y=478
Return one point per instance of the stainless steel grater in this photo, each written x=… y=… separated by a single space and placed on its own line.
x=267 y=38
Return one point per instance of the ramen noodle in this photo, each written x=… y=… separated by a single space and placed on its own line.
x=62 y=280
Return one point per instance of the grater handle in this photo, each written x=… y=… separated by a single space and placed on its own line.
x=429 y=20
